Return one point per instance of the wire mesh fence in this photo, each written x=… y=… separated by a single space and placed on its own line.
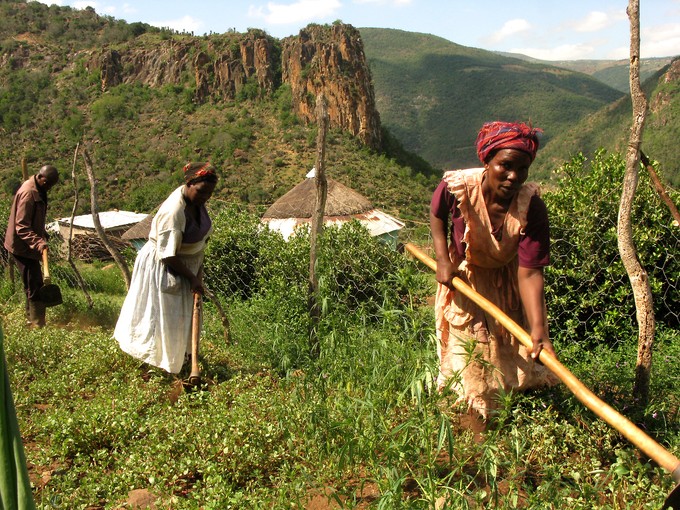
x=260 y=278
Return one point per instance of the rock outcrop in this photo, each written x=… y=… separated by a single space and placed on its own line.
x=328 y=59
x=219 y=67
x=660 y=102
x=331 y=60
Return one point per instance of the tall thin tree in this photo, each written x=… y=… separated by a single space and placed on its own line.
x=639 y=279
x=69 y=251
x=120 y=261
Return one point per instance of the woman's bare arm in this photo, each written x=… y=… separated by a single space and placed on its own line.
x=532 y=293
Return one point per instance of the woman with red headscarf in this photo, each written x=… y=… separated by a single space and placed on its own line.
x=155 y=322
x=490 y=228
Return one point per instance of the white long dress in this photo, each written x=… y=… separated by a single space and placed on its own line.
x=155 y=321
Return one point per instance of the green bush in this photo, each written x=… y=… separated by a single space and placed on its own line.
x=245 y=258
x=109 y=108
x=21 y=94
x=588 y=290
x=232 y=255
x=266 y=281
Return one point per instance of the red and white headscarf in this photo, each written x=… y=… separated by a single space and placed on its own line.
x=506 y=135
x=195 y=172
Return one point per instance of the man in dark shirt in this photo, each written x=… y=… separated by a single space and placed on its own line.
x=26 y=237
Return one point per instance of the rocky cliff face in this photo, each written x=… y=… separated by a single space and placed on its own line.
x=331 y=60
x=320 y=59
x=218 y=70
x=659 y=103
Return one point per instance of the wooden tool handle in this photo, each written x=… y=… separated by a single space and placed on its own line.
x=627 y=428
x=195 y=377
x=46 y=267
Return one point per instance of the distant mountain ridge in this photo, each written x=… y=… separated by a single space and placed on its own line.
x=434 y=95
x=146 y=100
x=609 y=128
x=614 y=73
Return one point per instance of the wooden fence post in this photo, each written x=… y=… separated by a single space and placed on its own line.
x=317 y=224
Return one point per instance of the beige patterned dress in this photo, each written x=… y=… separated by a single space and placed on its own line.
x=478 y=356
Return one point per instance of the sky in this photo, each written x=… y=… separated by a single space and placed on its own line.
x=545 y=29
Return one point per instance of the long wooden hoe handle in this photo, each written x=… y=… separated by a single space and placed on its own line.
x=627 y=428
x=195 y=377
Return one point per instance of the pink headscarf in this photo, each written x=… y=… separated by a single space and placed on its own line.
x=506 y=135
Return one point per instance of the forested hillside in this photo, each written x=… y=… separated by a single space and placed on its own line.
x=142 y=120
x=615 y=73
x=609 y=128
x=434 y=95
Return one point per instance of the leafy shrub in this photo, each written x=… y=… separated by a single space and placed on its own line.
x=355 y=269
x=20 y=95
x=244 y=258
x=233 y=253
x=146 y=198
x=109 y=108
x=587 y=283
x=249 y=90
x=266 y=280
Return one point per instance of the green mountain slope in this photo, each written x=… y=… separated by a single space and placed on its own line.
x=434 y=95
x=609 y=128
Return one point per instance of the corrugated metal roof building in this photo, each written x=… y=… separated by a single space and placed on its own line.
x=86 y=244
x=114 y=223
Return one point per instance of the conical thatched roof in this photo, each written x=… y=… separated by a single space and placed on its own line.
x=343 y=204
x=140 y=230
x=300 y=201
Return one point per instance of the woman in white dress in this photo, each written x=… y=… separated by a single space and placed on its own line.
x=155 y=321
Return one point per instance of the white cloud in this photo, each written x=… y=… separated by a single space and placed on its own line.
x=383 y=2
x=620 y=53
x=185 y=23
x=300 y=11
x=129 y=9
x=598 y=20
x=662 y=40
x=564 y=52
x=510 y=28
x=593 y=22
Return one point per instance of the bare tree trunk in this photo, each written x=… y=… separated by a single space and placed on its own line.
x=317 y=223
x=81 y=282
x=639 y=280
x=659 y=187
x=98 y=226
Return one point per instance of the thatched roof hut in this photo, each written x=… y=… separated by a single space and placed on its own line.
x=343 y=204
x=139 y=233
